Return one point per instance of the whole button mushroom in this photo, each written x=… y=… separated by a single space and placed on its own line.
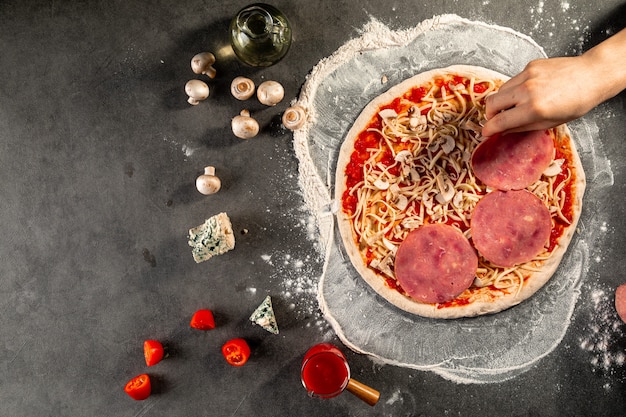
x=242 y=88
x=202 y=63
x=244 y=126
x=294 y=117
x=208 y=183
x=197 y=91
x=270 y=93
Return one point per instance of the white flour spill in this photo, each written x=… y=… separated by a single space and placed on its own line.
x=548 y=19
x=603 y=334
x=187 y=150
x=490 y=352
x=299 y=281
x=395 y=396
x=297 y=274
x=297 y=277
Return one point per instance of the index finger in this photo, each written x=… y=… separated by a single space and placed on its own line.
x=515 y=119
x=505 y=97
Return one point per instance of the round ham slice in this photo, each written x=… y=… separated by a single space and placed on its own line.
x=513 y=161
x=620 y=301
x=510 y=227
x=435 y=263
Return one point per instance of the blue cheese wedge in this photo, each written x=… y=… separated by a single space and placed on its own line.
x=214 y=237
x=264 y=316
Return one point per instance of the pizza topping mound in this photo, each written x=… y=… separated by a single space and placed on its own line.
x=513 y=161
x=510 y=227
x=435 y=263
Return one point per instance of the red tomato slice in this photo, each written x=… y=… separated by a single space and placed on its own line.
x=153 y=352
x=203 y=320
x=236 y=352
x=139 y=387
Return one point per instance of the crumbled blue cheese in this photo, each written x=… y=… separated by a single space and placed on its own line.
x=264 y=316
x=214 y=237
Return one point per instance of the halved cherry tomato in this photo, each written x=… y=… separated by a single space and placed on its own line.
x=203 y=320
x=153 y=352
x=139 y=387
x=236 y=352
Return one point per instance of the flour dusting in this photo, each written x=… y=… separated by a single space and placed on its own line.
x=297 y=278
x=395 y=396
x=548 y=18
x=186 y=149
x=493 y=348
x=603 y=335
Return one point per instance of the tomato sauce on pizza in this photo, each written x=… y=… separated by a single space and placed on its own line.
x=407 y=163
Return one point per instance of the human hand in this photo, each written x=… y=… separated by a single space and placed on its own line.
x=547 y=93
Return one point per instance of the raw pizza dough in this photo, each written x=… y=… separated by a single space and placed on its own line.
x=484 y=299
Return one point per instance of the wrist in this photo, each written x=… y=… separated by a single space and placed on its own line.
x=607 y=67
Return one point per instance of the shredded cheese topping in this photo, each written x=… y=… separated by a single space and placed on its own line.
x=418 y=171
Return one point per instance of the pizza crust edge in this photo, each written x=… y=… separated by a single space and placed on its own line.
x=531 y=285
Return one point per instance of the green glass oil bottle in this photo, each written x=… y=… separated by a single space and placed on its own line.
x=260 y=35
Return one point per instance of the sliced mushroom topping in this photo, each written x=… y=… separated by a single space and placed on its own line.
x=427 y=201
x=554 y=168
x=457 y=201
x=470 y=125
x=387 y=114
x=446 y=190
x=381 y=184
x=383 y=265
x=389 y=245
x=456 y=87
x=418 y=122
x=402 y=202
x=449 y=144
x=404 y=156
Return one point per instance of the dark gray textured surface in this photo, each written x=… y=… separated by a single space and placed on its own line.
x=98 y=154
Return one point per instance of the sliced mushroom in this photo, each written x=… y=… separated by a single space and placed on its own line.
x=294 y=117
x=389 y=245
x=402 y=202
x=418 y=122
x=244 y=126
x=208 y=183
x=554 y=168
x=387 y=114
x=457 y=200
x=427 y=200
x=381 y=184
x=449 y=145
x=202 y=63
x=270 y=93
x=242 y=88
x=197 y=91
x=446 y=190
x=404 y=156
